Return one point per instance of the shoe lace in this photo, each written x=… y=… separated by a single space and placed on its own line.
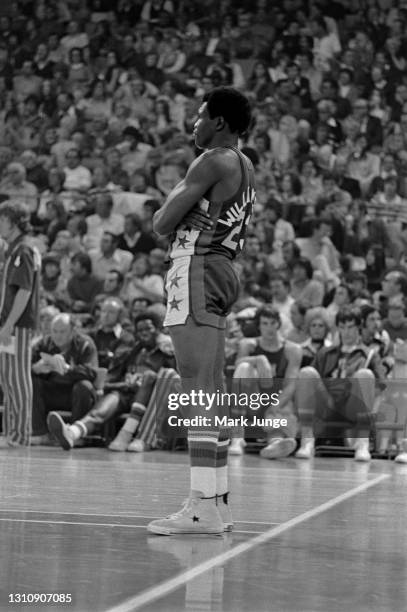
x=186 y=507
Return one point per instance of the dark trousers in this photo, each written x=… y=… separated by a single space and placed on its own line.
x=49 y=396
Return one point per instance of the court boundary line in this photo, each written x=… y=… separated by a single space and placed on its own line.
x=118 y=516
x=40 y=521
x=233 y=468
x=168 y=586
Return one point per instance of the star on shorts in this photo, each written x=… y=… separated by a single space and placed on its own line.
x=174 y=281
x=182 y=240
x=174 y=304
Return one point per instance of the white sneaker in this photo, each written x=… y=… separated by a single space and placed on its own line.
x=278 y=448
x=401 y=457
x=236 y=446
x=306 y=450
x=121 y=441
x=222 y=502
x=197 y=516
x=362 y=452
x=60 y=430
x=137 y=446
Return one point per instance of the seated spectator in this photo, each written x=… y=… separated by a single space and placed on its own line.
x=340 y=385
x=140 y=283
x=102 y=220
x=256 y=270
x=16 y=187
x=128 y=389
x=290 y=197
x=108 y=257
x=317 y=328
x=134 y=151
x=82 y=287
x=303 y=288
x=55 y=219
x=319 y=249
x=394 y=288
x=282 y=301
x=53 y=285
x=47 y=315
x=387 y=169
x=298 y=332
x=269 y=363
x=64 y=247
x=396 y=323
x=36 y=172
x=113 y=283
x=133 y=239
x=363 y=165
x=110 y=338
x=375 y=337
x=78 y=72
x=26 y=82
x=77 y=177
x=369 y=126
x=343 y=181
x=64 y=369
x=311 y=184
x=341 y=296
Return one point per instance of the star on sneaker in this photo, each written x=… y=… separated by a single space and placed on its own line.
x=278 y=448
x=60 y=430
x=197 y=516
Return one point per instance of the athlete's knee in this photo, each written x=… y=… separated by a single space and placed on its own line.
x=245 y=370
x=308 y=373
x=364 y=374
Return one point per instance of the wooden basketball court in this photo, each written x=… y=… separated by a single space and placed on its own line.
x=328 y=535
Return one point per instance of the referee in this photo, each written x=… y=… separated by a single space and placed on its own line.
x=19 y=300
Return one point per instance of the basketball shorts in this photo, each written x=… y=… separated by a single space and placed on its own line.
x=204 y=288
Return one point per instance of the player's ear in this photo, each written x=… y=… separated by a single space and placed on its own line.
x=220 y=124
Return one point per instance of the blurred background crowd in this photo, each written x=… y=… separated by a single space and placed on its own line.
x=97 y=105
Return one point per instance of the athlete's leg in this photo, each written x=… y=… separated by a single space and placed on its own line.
x=199 y=354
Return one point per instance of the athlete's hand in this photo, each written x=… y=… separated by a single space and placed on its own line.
x=198 y=220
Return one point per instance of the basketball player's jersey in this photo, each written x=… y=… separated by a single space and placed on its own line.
x=230 y=220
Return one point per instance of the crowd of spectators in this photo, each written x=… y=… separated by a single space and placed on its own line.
x=97 y=105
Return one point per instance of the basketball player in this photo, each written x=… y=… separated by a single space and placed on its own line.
x=206 y=215
x=19 y=301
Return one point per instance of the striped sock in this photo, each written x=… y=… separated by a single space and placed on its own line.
x=202 y=452
x=222 y=463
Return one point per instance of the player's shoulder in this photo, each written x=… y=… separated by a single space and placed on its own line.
x=223 y=156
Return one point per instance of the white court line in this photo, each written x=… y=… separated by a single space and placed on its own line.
x=14 y=520
x=168 y=586
x=118 y=516
x=233 y=468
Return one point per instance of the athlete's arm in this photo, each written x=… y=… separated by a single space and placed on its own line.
x=203 y=174
x=19 y=305
x=293 y=352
